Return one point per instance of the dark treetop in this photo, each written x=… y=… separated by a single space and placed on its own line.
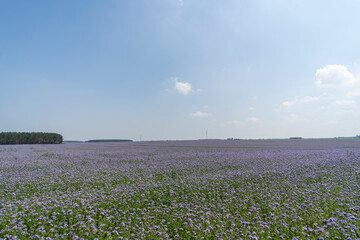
x=30 y=138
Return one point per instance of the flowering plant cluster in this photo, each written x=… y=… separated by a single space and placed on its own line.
x=274 y=189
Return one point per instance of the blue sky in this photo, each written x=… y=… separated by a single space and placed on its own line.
x=170 y=69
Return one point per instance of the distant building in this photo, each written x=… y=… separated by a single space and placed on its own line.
x=295 y=138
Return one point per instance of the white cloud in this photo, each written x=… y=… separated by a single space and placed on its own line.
x=181 y=2
x=293 y=118
x=337 y=100
x=254 y=120
x=345 y=103
x=234 y=122
x=288 y=103
x=309 y=99
x=238 y=123
x=335 y=75
x=182 y=87
x=305 y=99
x=251 y=109
x=353 y=93
x=200 y=114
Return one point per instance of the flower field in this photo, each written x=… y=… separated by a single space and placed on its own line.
x=211 y=189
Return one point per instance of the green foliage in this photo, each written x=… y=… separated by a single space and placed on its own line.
x=30 y=138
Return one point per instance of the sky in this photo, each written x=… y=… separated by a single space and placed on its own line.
x=176 y=69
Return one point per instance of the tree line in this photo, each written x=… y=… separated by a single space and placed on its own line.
x=30 y=138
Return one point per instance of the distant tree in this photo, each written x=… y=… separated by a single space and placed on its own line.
x=30 y=138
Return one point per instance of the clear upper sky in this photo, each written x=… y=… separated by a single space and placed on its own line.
x=172 y=69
